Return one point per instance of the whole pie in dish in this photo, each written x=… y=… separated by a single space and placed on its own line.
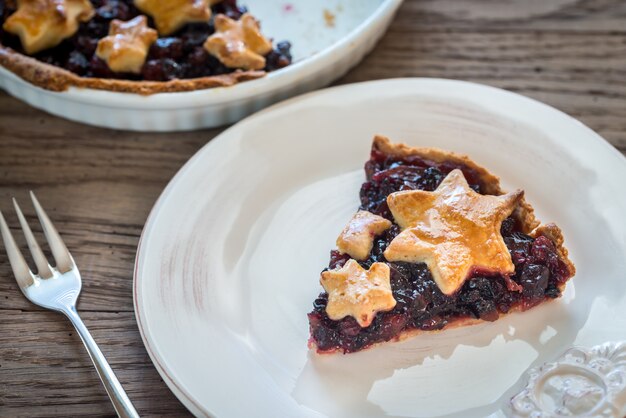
x=435 y=244
x=140 y=46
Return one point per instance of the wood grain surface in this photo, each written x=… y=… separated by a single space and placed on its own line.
x=98 y=185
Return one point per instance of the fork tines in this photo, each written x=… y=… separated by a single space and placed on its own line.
x=61 y=255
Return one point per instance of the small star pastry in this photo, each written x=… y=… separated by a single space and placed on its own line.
x=43 y=24
x=357 y=292
x=238 y=43
x=453 y=230
x=171 y=15
x=126 y=48
x=357 y=237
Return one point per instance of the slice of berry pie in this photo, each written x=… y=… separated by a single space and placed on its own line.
x=139 y=46
x=435 y=244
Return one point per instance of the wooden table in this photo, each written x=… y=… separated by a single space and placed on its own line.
x=99 y=185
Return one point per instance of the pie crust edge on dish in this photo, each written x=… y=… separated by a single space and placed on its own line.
x=524 y=213
x=54 y=78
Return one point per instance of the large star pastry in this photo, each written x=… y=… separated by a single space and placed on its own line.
x=43 y=24
x=357 y=292
x=454 y=230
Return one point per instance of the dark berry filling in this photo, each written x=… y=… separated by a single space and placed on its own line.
x=178 y=56
x=420 y=303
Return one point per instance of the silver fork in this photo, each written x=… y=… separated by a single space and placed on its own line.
x=57 y=288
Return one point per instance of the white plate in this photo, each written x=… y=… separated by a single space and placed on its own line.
x=321 y=54
x=230 y=257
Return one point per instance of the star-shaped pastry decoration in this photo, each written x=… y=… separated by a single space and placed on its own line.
x=126 y=48
x=357 y=237
x=357 y=292
x=454 y=230
x=43 y=24
x=238 y=43
x=171 y=15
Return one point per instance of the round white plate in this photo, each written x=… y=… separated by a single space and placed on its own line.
x=229 y=260
x=328 y=38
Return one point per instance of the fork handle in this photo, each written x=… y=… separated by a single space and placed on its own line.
x=123 y=406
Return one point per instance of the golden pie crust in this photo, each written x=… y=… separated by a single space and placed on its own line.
x=490 y=184
x=54 y=78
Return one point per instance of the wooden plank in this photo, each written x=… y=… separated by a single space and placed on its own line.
x=515 y=15
x=45 y=370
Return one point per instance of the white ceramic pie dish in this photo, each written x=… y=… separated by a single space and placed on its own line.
x=322 y=53
x=230 y=256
